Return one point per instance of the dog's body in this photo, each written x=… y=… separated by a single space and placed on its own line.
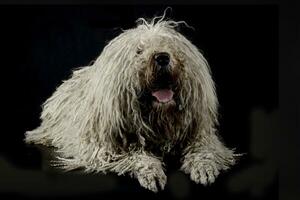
x=149 y=93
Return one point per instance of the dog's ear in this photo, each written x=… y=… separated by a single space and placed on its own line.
x=210 y=100
x=204 y=89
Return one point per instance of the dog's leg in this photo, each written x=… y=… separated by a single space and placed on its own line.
x=143 y=166
x=205 y=157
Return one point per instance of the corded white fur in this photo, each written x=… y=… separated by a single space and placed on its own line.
x=89 y=114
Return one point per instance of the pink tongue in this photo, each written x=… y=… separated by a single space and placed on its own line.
x=163 y=95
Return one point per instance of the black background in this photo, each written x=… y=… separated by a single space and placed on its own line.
x=42 y=44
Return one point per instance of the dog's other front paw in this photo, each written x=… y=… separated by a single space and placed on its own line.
x=203 y=171
x=151 y=178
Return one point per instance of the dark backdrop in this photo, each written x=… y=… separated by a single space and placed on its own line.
x=40 y=45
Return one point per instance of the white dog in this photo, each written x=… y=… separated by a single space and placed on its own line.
x=148 y=94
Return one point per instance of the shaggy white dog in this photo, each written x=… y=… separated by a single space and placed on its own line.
x=148 y=94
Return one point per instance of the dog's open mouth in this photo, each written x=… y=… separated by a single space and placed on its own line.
x=163 y=95
x=162 y=89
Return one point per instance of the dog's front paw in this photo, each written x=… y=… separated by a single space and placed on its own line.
x=201 y=170
x=151 y=178
x=204 y=172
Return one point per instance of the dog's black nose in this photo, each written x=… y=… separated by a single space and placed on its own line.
x=162 y=59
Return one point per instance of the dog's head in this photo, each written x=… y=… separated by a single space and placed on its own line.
x=152 y=72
